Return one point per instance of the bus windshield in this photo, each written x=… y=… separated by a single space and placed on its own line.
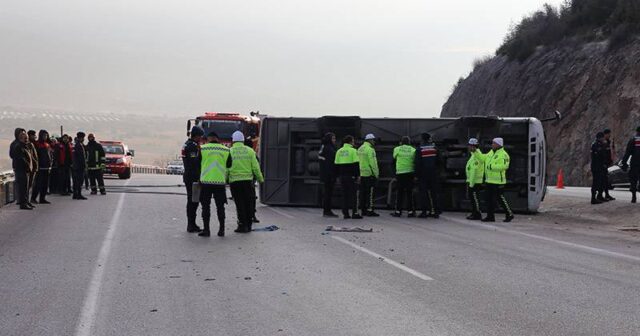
x=223 y=128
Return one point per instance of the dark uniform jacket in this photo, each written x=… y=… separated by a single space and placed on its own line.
x=79 y=157
x=427 y=157
x=327 y=157
x=633 y=151
x=21 y=157
x=44 y=154
x=598 y=157
x=95 y=155
x=191 y=159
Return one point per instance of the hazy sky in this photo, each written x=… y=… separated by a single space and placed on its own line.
x=287 y=57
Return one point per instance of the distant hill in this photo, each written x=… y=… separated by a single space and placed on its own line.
x=590 y=71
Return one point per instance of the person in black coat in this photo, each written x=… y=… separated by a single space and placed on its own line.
x=598 y=169
x=191 y=159
x=96 y=161
x=21 y=163
x=79 y=166
x=41 y=185
x=328 y=173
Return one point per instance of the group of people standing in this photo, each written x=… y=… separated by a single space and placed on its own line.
x=603 y=156
x=46 y=165
x=210 y=166
x=358 y=172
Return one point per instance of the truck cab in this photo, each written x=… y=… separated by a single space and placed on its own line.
x=119 y=158
x=225 y=123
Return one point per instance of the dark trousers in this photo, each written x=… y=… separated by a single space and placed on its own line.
x=598 y=182
x=495 y=192
x=95 y=175
x=21 y=186
x=219 y=194
x=404 y=188
x=78 y=180
x=41 y=186
x=53 y=180
x=634 y=178
x=429 y=189
x=254 y=199
x=349 y=195
x=474 y=197
x=367 y=193
x=32 y=184
x=63 y=180
x=242 y=193
x=327 y=195
x=192 y=207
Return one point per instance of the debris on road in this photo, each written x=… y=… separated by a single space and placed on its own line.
x=266 y=228
x=347 y=229
x=247 y=278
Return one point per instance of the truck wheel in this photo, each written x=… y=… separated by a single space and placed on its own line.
x=126 y=175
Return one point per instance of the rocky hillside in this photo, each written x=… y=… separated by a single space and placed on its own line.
x=594 y=88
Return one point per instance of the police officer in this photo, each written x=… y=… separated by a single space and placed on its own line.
x=369 y=174
x=496 y=163
x=404 y=161
x=598 y=169
x=33 y=154
x=427 y=171
x=191 y=160
x=327 y=157
x=96 y=161
x=633 y=152
x=22 y=166
x=79 y=166
x=41 y=185
x=609 y=155
x=348 y=167
x=213 y=180
x=243 y=168
x=254 y=219
x=475 y=176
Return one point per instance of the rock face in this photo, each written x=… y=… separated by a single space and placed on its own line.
x=592 y=87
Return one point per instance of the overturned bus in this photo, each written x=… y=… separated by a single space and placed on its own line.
x=289 y=156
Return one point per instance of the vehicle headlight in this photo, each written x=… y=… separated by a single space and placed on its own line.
x=120 y=160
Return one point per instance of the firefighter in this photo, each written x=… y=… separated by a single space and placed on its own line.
x=243 y=168
x=598 y=169
x=404 y=161
x=22 y=166
x=348 y=167
x=633 y=152
x=41 y=185
x=496 y=163
x=369 y=174
x=475 y=176
x=33 y=154
x=191 y=160
x=213 y=180
x=79 y=166
x=427 y=166
x=327 y=157
x=96 y=162
x=609 y=155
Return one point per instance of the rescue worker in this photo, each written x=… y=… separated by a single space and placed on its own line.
x=213 y=180
x=96 y=162
x=633 y=152
x=609 y=155
x=348 y=167
x=496 y=163
x=327 y=157
x=427 y=171
x=598 y=169
x=41 y=186
x=191 y=160
x=243 y=168
x=475 y=177
x=22 y=166
x=369 y=174
x=79 y=166
x=404 y=162
x=64 y=160
x=34 y=172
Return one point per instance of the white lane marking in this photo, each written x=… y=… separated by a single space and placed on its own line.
x=561 y=242
x=383 y=258
x=281 y=213
x=89 y=308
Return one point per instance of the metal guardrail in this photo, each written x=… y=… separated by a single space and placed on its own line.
x=7 y=189
x=145 y=169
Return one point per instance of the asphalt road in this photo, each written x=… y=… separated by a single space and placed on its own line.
x=122 y=264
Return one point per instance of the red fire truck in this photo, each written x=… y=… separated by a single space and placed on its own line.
x=225 y=123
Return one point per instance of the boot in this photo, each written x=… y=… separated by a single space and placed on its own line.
x=255 y=219
x=204 y=234
x=508 y=219
x=346 y=216
x=601 y=198
x=94 y=192
x=609 y=197
x=412 y=214
x=356 y=216
x=329 y=214
x=44 y=201
x=633 y=197
x=474 y=216
x=221 y=229
x=595 y=201
x=25 y=207
x=396 y=214
x=489 y=219
x=423 y=215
